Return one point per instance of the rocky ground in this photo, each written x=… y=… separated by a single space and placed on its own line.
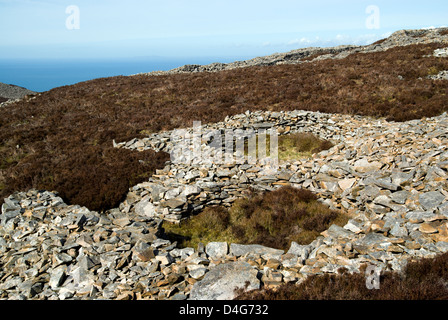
x=11 y=93
x=391 y=178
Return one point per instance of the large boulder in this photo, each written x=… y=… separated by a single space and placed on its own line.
x=221 y=281
x=243 y=249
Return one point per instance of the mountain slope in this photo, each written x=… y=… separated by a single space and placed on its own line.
x=9 y=91
x=62 y=139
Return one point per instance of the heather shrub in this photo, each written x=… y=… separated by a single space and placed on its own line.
x=212 y=224
x=96 y=178
x=277 y=218
x=273 y=219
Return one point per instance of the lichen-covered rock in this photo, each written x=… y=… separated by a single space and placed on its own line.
x=221 y=282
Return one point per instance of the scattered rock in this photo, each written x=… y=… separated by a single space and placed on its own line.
x=431 y=200
x=221 y=281
x=217 y=249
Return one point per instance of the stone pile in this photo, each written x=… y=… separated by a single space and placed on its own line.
x=391 y=178
x=182 y=188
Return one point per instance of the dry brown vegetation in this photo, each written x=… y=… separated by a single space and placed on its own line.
x=425 y=279
x=273 y=219
x=302 y=144
x=62 y=139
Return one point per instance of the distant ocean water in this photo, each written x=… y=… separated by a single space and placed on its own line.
x=43 y=75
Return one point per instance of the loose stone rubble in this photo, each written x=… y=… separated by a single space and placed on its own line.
x=442 y=75
x=391 y=178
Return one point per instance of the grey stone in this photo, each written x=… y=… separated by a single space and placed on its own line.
x=61 y=258
x=11 y=283
x=381 y=255
x=57 y=277
x=398 y=231
x=191 y=175
x=444 y=209
x=364 y=166
x=172 y=193
x=385 y=184
x=144 y=251
x=10 y=205
x=339 y=232
x=178 y=296
x=430 y=200
x=145 y=208
x=442 y=246
x=217 y=249
x=372 y=238
x=165 y=258
x=419 y=216
x=191 y=190
x=222 y=280
x=197 y=273
x=81 y=276
x=301 y=251
x=173 y=203
x=30 y=289
x=400 y=196
x=242 y=249
x=354 y=226
x=371 y=191
x=8 y=215
x=401 y=178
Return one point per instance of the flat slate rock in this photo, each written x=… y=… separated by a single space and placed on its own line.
x=430 y=200
x=221 y=281
x=242 y=249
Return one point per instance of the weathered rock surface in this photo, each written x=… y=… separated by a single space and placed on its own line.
x=221 y=281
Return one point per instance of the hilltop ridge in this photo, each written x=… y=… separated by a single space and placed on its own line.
x=12 y=92
x=398 y=38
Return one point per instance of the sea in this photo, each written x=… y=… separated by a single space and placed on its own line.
x=45 y=74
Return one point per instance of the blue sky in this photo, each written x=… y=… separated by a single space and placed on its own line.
x=200 y=28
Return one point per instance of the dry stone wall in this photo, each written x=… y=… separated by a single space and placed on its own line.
x=390 y=177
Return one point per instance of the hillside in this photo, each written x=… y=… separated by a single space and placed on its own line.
x=13 y=92
x=399 y=38
x=50 y=142
x=100 y=149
